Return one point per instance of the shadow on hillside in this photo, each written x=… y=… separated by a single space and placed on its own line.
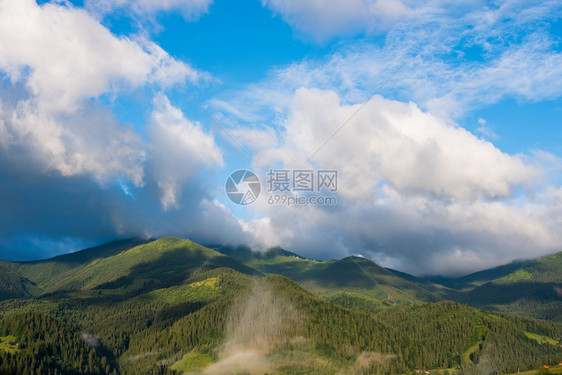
x=92 y=253
x=499 y=294
x=172 y=268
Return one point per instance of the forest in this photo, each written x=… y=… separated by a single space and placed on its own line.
x=219 y=315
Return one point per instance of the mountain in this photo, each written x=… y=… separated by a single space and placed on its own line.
x=172 y=306
x=529 y=288
x=129 y=266
x=481 y=277
x=534 y=289
x=14 y=285
x=43 y=272
x=351 y=276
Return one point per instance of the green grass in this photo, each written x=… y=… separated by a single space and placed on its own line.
x=9 y=349
x=544 y=270
x=192 y=361
x=557 y=370
x=540 y=338
x=473 y=349
x=43 y=272
x=519 y=275
x=128 y=266
x=201 y=291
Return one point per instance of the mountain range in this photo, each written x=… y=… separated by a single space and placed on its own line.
x=173 y=306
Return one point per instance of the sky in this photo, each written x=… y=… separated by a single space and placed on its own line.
x=122 y=118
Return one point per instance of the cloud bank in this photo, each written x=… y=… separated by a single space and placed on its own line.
x=73 y=174
x=414 y=192
x=417 y=190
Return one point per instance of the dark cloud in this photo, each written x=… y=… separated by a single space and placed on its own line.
x=47 y=214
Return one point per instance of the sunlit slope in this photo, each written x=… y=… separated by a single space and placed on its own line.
x=25 y=279
x=533 y=290
x=127 y=266
x=159 y=263
x=481 y=277
x=274 y=322
x=173 y=304
x=351 y=274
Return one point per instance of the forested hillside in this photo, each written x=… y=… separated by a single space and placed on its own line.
x=171 y=306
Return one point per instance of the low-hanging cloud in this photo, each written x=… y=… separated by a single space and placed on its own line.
x=417 y=191
x=72 y=173
x=414 y=192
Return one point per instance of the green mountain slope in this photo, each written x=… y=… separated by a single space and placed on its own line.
x=41 y=273
x=14 y=285
x=547 y=269
x=481 y=277
x=225 y=322
x=352 y=275
x=163 y=262
x=125 y=266
x=477 y=341
x=172 y=306
x=534 y=289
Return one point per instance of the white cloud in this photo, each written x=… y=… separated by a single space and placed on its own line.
x=64 y=55
x=326 y=18
x=90 y=142
x=64 y=154
x=457 y=58
x=190 y=9
x=417 y=234
x=413 y=190
x=179 y=149
x=396 y=143
x=417 y=190
x=57 y=57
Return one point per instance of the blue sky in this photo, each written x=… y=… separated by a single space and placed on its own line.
x=453 y=166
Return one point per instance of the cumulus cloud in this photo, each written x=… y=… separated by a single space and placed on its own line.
x=56 y=58
x=44 y=214
x=414 y=192
x=87 y=142
x=64 y=55
x=399 y=144
x=72 y=173
x=179 y=149
x=418 y=192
